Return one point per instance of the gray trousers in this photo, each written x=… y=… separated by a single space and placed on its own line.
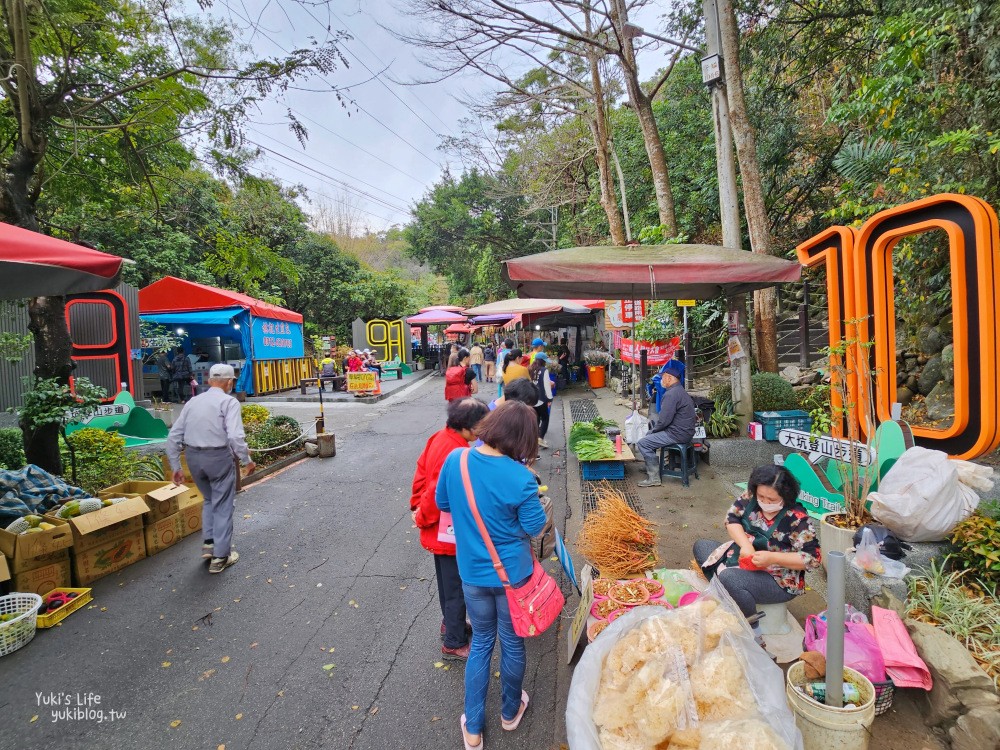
x=747 y=587
x=214 y=473
x=650 y=445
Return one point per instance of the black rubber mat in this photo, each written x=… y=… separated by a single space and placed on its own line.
x=583 y=410
x=625 y=486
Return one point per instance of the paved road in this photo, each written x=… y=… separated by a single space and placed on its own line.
x=331 y=572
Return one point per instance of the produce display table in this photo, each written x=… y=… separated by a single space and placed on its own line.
x=607 y=468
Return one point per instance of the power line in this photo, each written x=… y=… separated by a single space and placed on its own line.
x=336 y=169
x=335 y=88
x=335 y=182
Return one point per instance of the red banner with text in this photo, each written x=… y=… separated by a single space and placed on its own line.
x=657 y=352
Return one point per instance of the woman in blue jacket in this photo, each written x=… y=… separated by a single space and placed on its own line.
x=506 y=495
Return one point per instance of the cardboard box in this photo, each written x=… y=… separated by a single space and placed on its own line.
x=97 y=528
x=163 y=533
x=4 y=570
x=27 y=551
x=41 y=580
x=163 y=498
x=108 y=557
x=191 y=518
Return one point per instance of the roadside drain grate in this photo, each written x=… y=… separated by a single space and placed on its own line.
x=583 y=410
x=625 y=486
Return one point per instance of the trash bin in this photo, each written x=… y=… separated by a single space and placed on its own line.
x=595 y=376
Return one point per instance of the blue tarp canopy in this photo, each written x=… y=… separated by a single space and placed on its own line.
x=220 y=317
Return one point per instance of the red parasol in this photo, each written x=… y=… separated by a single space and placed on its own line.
x=36 y=265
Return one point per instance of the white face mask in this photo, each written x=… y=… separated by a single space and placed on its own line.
x=770 y=508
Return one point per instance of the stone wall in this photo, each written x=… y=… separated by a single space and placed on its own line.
x=928 y=369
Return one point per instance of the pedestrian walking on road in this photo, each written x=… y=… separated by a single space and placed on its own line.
x=489 y=362
x=210 y=432
x=539 y=375
x=476 y=360
x=463 y=417
x=506 y=496
x=504 y=350
x=512 y=367
x=460 y=379
x=182 y=375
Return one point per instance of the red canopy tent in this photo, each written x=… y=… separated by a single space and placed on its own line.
x=36 y=265
x=171 y=294
x=435 y=317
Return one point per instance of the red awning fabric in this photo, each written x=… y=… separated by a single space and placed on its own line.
x=171 y=294
x=36 y=265
x=527 y=307
x=460 y=328
x=590 y=304
x=646 y=272
x=435 y=317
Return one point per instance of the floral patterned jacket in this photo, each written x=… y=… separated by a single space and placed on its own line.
x=795 y=532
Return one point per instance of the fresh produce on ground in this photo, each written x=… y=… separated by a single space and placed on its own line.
x=603 y=608
x=29 y=524
x=654 y=587
x=602 y=586
x=75 y=508
x=616 y=539
x=583 y=431
x=629 y=593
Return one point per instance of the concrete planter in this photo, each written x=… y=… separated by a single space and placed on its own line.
x=167 y=415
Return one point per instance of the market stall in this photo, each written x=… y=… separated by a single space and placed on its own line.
x=261 y=341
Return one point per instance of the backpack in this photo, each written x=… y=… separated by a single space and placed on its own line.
x=455 y=385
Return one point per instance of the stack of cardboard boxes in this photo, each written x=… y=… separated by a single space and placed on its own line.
x=154 y=516
x=37 y=562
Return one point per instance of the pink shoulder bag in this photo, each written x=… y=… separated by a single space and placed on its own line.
x=533 y=606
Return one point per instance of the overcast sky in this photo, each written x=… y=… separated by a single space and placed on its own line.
x=380 y=153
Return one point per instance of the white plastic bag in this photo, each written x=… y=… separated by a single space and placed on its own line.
x=764 y=677
x=921 y=499
x=870 y=559
x=979 y=478
x=636 y=427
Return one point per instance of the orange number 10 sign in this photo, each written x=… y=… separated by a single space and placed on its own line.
x=860 y=286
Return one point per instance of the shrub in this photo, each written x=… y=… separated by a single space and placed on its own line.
x=254 y=414
x=977 y=547
x=770 y=393
x=723 y=423
x=270 y=434
x=101 y=459
x=11 y=449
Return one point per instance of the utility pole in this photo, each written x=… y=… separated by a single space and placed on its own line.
x=729 y=206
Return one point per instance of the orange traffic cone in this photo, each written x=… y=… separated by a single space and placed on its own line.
x=378 y=387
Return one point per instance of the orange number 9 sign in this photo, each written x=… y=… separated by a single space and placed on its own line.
x=860 y=285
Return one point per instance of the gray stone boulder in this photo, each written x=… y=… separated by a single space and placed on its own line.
x=976 y=730
x=948 y=363
x=930 y=340
x=932 y=375
x=904 y=395
x=941 y=402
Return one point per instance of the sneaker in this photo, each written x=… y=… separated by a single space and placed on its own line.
x=542 y=443
x=207 y=550
x=455 y=654
x=219 y=564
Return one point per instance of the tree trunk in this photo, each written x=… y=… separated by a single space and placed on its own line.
x=766 y=333
x=643 y=106
x=599 y=130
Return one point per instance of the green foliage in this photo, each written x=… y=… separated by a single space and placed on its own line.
x=660 y=323
x=770 y=392
x=254 y=414
x=977 y=547
x=47 y=401
x=100 y=458
x=723 y=423
x=816 y=401
x=11 y=448
x=271 y=433
x=146 y=467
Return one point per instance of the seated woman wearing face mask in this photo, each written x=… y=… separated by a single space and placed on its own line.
x=774 y=541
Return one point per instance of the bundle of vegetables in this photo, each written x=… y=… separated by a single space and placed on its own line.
x=590 y=443
x=615 y=538
x=601 y=423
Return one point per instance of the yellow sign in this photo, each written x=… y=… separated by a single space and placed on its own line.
x=579 y=624
x=359 y=382
x=387 y=337
x=686 y=302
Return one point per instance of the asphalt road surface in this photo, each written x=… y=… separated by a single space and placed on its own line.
x=325 y=634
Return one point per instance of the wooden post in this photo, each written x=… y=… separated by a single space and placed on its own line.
x=803 y=336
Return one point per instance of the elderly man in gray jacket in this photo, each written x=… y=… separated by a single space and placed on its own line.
x=674 y=424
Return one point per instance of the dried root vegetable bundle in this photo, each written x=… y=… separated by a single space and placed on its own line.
x=616 y=539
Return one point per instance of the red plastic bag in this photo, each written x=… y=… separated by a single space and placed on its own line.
x=861 y=650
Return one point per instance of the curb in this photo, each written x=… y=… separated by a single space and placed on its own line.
x=275 y=467
x=413 y=380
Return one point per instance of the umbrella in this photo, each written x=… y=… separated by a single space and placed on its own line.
x=527 y=307
x=460 y=328
x=445 y=308
x=435 y=317
x=491 y=319
x=36 y=265
x=646 y=272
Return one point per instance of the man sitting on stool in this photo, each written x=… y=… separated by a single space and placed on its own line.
x=674 y=424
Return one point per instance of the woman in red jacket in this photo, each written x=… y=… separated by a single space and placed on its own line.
x=463 y=416
x=459 y=378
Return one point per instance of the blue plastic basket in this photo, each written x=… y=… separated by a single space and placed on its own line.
x=774 y=421
x=593 y=470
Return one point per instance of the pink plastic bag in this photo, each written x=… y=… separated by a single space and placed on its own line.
x=902 y=663
x=861 y=651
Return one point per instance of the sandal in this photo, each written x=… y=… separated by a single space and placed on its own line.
x=511 y=725
x=465 y=738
